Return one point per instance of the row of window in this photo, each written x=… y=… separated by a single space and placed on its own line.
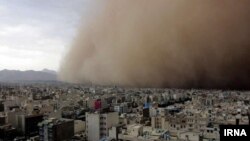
x=103 y=118
x=103 y=129
x=103 y=123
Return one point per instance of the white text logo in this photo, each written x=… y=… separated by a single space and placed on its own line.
x=234 y=132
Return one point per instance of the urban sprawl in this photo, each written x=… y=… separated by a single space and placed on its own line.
x=72 y=112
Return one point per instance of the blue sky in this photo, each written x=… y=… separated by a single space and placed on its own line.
x=35 y=34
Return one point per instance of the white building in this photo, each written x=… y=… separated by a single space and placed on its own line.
x=189 y=136
x=97 y=125
x=132 y=133
x=122 y=108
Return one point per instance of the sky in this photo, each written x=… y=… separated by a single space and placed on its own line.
x=35 y=34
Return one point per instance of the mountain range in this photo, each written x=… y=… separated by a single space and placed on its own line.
x=29 y=75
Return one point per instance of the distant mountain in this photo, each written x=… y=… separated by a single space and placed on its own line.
x=49 y=71
x=30 y=75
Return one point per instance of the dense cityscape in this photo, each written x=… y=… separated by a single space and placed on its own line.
x=72 y=112
x=124 y=70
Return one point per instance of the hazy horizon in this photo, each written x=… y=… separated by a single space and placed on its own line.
x=28 y=70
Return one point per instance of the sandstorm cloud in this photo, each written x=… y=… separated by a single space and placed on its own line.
x=162 y=43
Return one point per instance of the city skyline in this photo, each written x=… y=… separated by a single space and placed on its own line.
x=124 y=70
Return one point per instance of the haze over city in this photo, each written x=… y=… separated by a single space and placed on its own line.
x=180 y=44
x=124 y=70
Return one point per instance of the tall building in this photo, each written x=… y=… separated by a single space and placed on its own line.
x=98 y=124
x=158 y=122
x=28 y=124
x=56 y=129
x=12 y=117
